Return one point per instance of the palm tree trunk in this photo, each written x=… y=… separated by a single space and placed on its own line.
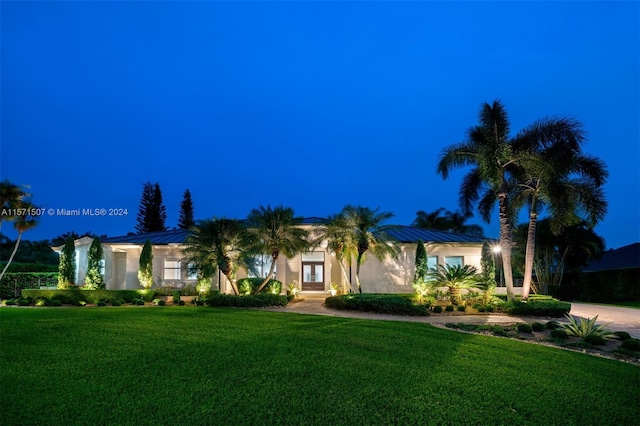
x=15 y=249
x=505 y=243
x=231 y=276
x=529 y=255
x=358 y=261
x=266 y=280
x=344 y=273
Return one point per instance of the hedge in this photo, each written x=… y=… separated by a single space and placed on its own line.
x=541 y=308
x=13 y=282
x=621 y=285
x=395 y=304
x=250 y=301
x=75 y=296
x=29 y=267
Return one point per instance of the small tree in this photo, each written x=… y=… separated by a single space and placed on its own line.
x=487 y=281
x=455 y=278
x=185 y=221
x=152 y=213
x=422 y=268
x=145 y=271
x=67 y=267
x=94 y=278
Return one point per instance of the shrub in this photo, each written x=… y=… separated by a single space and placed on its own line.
x=544 y=308
x=116 y=303
x=524 y=328
x=481 y=308
x=161 y=303
x=251 y=301
x=585 y=327
x=595 y=339
x=394 y=304
x=41 y=302
x=11 y=302
x=437 y=309
x=12 y=282
x=101 y=303
x=559 y=334
x=56 y=303
x=138 y=302
x=631 y=345
x=622 y=335
x=181 y=302
x=449 y=308
x=552 y=325
x=462 y=308
x=488 y=308
x=538 y=326
x=23 y=302
x=248 y=286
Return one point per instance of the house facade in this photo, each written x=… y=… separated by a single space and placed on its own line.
x=313 y=271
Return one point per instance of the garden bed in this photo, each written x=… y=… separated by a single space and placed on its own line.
x=613 y=348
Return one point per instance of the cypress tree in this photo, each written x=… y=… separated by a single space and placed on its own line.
x=145 y=270
x=67 y=266
x=152 y=213
x=94 y=280
x=185 y=221
x=421 y=263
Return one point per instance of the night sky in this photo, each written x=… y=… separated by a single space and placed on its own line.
x=311 y=105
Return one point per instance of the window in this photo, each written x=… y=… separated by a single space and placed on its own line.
x=102 y=267
x=260 y=267
x=432 y=262
x=453 y=261
x=171 y=269
x=192 y=274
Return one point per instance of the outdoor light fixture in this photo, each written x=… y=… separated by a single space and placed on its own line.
x=496 y=249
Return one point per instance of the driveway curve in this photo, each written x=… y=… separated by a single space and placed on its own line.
x=621 y=319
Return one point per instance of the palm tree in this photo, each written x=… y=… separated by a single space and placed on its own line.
x=368 y=233
x=489 y=151
x=217 y=243
x=445 y=220
x=455 y=278
x=11 y=199
x=552 y=173
x=340 y=242
x=273 y=231
x=22 y=222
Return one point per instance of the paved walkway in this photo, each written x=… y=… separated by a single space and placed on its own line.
x=625 y=319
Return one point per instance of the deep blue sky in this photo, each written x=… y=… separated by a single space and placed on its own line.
x=312 y=105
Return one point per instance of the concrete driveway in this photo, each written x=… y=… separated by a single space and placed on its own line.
x=622 y=319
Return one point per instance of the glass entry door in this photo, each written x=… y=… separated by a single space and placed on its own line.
x=312 y=276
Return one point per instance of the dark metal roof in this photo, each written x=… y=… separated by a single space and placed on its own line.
x=174 y=236
x=412 y=234
x=404 y=234
x=622 y=258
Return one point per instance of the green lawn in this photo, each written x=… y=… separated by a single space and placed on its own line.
x=198 y=366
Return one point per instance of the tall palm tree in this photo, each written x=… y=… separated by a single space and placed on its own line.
x=553 y=174
x=368 y=233
x=489 y=151
x=445 y=220
x=21 y=223
x=338 y=235
x=217 y=244
x=276 y=230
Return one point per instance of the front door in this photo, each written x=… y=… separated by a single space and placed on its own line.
x=312 y=276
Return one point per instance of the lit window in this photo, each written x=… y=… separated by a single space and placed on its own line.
x=432 y=262
x=260 y=267
x=171 y=269
x=102 y=266
x=453 y=260
x=192 y=274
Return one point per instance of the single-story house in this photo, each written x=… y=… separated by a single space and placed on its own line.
x=313 y=271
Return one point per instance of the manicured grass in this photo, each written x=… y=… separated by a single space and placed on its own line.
x=196 y=366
